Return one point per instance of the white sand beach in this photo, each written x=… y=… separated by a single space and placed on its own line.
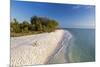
x=36 y=49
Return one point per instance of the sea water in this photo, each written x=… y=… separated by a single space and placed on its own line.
x=81 y=47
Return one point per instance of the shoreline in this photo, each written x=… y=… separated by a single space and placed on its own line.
x=55 y=39
x=61 y=47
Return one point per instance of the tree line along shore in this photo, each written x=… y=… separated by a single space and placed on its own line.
x=35 y=26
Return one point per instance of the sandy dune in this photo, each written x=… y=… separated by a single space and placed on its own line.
x=35 y=49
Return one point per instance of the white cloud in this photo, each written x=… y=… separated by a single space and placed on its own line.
x=77 y=7
x=81 y=6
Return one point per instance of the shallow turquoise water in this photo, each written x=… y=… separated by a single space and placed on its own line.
x=82 y=45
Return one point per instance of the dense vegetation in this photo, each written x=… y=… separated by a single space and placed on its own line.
x=36 y=25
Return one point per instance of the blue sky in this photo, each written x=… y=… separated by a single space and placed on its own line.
x=68 y=15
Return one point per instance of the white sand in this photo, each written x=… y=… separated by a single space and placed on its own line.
x=34 y=49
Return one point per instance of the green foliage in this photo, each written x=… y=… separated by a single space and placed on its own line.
x=15 y=27
x=24 y=26
x=37 y=24
x=43 y=24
